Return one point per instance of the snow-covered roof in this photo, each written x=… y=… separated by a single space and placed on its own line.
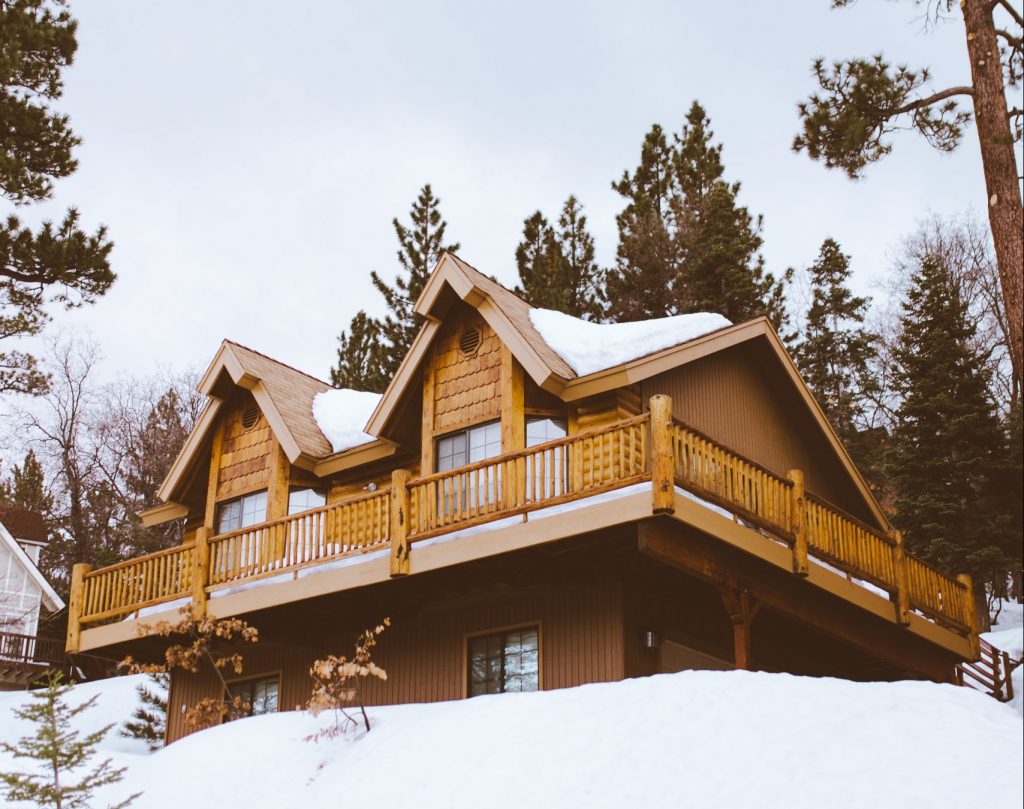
x=592 y=347
x=341 y=414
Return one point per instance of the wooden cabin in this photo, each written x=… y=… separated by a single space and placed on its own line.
x=528 y=523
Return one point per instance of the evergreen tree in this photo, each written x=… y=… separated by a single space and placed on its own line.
x=53 y=264
x=557 y=269
x=685 y=244
x=149 y=720
x=371 y=351
x=948 y=461
x=836 y=349
x=722 y=269
x=26 y=487
x=420 y=247
x=642 y=285
x=360 y=363
x=61 y=754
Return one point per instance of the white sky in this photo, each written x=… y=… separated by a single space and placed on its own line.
x=248 y=157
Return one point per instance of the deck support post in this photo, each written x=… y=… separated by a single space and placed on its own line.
x=398 y=523
x=663 y=493
x=972 y=615
x=797 y=494
x=742 y=609
x=902 y=595
x=200 y=572
x=76 y=606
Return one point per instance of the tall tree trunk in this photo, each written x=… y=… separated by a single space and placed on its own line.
x=1004 y=201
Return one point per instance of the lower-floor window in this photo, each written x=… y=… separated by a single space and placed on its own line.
x=504 y=661
x=259 y=695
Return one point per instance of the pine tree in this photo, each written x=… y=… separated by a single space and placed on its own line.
x=149 y=720
x=370 y=352
x=360 y=361
x=26 y=487
x=420 y=247
x=61 y=754
x=948 y=460
x=53 y=264
x=836 y=349
x=722 y=269
x=642 y=284
x=685 y=244
x=557 y=269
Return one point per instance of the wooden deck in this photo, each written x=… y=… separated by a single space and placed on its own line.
x=651 y=447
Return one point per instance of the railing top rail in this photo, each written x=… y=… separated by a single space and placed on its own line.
x=521 y=453
x=951 y=579
x=760 y=467
x=351 y=501
x=846 y=515
x=137 y=559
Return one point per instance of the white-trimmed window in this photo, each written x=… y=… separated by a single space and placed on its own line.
x=241 y=512
x=300 y=500
x=551 y=476
x=468 y=446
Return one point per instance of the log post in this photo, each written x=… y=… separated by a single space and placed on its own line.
x=796 y=499
x=76 y=606
x=742 y=609
x=200 y=572
x=399 y=522
x=663 y=493
x=902 y=600
x=972 y=615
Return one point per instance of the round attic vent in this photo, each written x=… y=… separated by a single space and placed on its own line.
x=469 y=342
x=250 y=416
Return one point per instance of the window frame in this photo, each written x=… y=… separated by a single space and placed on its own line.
x=464 y=431
x=277 y=674
x=296 y=489
x=497 y=630
x=239 y=499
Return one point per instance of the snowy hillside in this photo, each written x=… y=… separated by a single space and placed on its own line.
x=694 y=739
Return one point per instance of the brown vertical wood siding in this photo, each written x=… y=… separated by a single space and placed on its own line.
x=424 y=655
x=730 y=397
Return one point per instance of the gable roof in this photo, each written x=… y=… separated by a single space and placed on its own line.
x=23 y=524
x=50 y=599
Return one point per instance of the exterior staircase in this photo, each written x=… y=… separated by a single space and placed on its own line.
x=990 y=672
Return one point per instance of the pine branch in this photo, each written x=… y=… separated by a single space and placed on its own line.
x=927 y=102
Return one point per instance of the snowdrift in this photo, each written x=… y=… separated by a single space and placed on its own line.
x=693 y=739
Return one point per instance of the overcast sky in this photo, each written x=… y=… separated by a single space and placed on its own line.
x=248 y=157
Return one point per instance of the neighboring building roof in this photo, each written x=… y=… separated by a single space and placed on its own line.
x=23 y=524
x=50 y=599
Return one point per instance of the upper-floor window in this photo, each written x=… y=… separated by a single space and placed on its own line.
x=504 y=661
x=300 y=500
x=241 y=512
x=258 y=695
x=468 y=446
x=542 y=430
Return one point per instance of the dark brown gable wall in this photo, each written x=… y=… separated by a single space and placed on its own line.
x=741 y=398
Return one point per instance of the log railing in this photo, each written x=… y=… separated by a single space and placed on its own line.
x=312 y=537
x=547 y=474
x=814 y=527
x=652 y=446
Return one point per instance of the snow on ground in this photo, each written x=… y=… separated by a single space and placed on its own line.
x=590 y=347
x=700 y=739
x=341 y=414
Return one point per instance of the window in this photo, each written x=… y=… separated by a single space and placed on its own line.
x=461 y=448
x=541 y=430
x=504 y=661
x=468 y=446
x=551 y=477
x=241 y=512
x=260 y=695
x=300 y=500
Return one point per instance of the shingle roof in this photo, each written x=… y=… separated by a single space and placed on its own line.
x=23 y=524
x=518 y=312
x=292 y=392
